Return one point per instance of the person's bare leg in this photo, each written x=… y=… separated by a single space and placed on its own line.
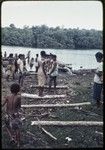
x=41 y=89
x=18 y=137
x=98 y=103
x=55 y=85
x=7 y=77
x=10 y=132
x=50 y=84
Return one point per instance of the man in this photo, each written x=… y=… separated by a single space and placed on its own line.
x=98 y=79
x=20 y=68
x=53 y=73
x=36 y=63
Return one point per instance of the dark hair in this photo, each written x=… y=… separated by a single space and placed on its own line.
x=54 y=57
x=11 y=55
x=32 y=58
x=15 y=88
x=20 y=55
x=43 y=53
x=99 y=56
x=37 y=55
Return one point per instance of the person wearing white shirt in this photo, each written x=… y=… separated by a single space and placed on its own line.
x=98 y=79
x=20 y=69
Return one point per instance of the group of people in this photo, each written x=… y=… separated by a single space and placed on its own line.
x=47 y=71
x=47 y=67
x=17 y=65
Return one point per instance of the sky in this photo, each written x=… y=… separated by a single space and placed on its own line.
x=66 y=14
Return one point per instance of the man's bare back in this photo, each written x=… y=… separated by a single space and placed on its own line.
x=13 y=104
x=12 y=119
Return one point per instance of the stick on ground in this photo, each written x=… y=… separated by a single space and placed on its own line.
x=49 y=134
x=56 y=105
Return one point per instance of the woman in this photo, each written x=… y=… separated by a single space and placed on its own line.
x=41 y=73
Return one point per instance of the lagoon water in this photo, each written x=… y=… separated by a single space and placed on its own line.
x=78 y=58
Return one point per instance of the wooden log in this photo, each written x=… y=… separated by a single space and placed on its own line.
x=41 y=97
x=55 y=105
x=49 y=134
x=68 y=123
x=99 y=132
x=57 y=87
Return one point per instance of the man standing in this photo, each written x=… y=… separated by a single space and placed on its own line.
x=98 y=79
x=20 y=68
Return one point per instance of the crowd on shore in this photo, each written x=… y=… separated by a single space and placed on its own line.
x=46 y=69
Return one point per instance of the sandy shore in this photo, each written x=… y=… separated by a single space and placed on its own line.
x=79 y=90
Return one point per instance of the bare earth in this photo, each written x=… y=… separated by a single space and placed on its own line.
x=80 y=90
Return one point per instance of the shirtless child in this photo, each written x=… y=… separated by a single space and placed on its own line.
x=12 y=119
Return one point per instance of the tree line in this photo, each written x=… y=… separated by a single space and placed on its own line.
x=49 y=37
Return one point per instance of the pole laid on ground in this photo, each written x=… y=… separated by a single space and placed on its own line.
x=68 y=123
x=41 y=97
x=57 y=87
x=56 y=105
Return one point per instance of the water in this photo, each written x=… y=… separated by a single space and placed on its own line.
x=78 y=58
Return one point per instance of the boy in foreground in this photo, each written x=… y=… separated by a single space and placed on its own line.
x=12 y=118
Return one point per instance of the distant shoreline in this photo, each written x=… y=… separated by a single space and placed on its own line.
x=48 y=48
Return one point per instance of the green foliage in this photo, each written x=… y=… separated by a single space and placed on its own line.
x=45 y=37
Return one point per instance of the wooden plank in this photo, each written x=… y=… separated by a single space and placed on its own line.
x=56 y=105
x=41 y=97
x=101 y=133
x=57 y=87
x=68 y=123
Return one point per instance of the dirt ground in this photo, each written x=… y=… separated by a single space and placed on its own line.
x=79 y=90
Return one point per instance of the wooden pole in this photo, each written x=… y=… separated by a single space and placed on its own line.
x=57 y=87
x=68 y=123
x=56 y=105
x=41 y=97
x=99 y=133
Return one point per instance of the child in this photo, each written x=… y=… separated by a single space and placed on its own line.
x=28 y=56
x=97 y=88
x=9 y=68
x=36 y=63
x=15 y=66
x=20 y=68
x=31 y=63
x=8 y=71
x=41 y=73
x=53 y=73
x=12 y=119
